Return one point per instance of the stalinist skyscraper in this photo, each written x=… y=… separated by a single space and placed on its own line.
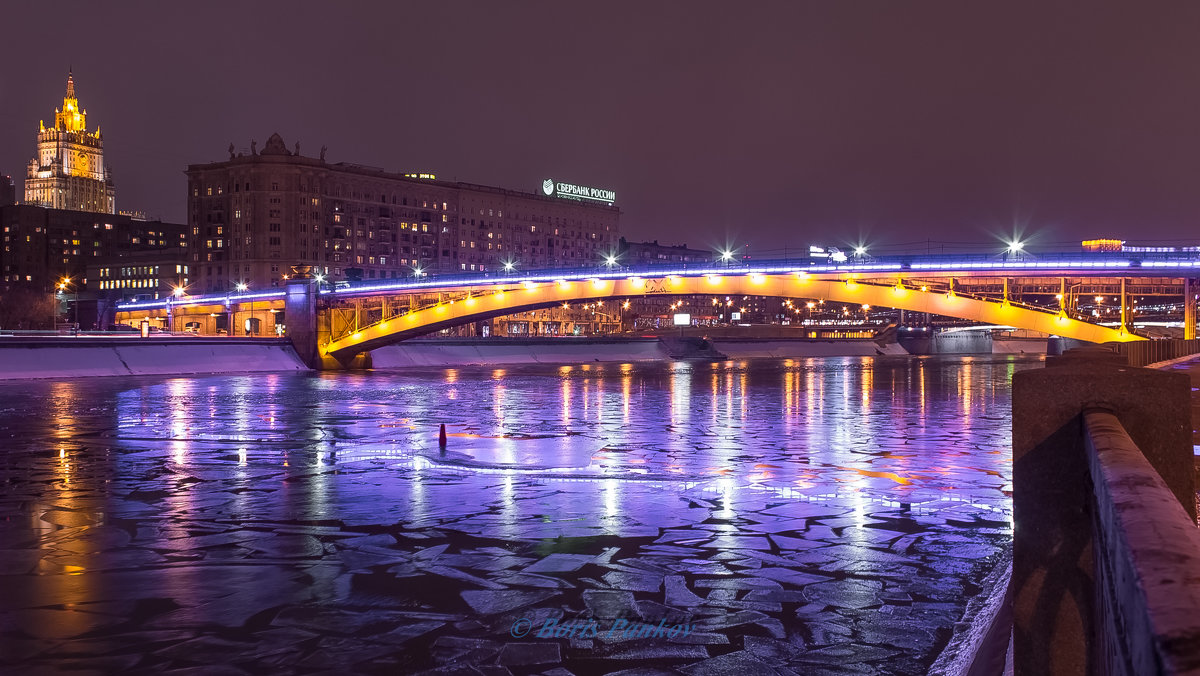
x=69 y=171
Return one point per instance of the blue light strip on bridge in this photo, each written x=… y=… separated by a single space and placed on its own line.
x=224 y=299
x=900 y=265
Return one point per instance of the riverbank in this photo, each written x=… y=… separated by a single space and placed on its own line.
x=70 y=357
x=77 y=357
x=569 y=350
x=479 y=351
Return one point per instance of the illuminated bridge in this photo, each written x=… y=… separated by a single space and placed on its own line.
x=1048 y=292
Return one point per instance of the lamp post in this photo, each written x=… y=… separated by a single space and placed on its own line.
x=241 y=288
x=62 y=287
x=176 y=293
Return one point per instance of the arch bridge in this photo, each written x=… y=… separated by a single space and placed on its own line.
x=1047 y=293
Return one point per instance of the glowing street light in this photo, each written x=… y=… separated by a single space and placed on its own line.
x=62 y=288
x=509 y=265
x=178 y=292
x=860 y=251
x=1016 y=247
x=726 y=255
x=610 y=260
x=241 y=286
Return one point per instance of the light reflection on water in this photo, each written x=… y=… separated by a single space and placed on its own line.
x=876 y=431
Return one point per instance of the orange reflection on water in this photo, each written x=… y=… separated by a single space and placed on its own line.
x=879 y=475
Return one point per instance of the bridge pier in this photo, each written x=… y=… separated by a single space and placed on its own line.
x=300 y=308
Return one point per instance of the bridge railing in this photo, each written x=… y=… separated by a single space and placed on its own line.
x=1048 y=263
x=1106 y=550
x=1145 y=352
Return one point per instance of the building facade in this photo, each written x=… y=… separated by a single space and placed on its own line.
x=43 y=246
x=255 y=215
x=8 y=192
x=69 y=171
x=650 y=253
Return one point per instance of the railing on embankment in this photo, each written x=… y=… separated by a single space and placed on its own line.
x=1106 y=553
x=1143 y=352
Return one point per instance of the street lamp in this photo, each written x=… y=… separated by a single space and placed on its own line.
x=241 y=288
x=62 y=287
x=610 y=260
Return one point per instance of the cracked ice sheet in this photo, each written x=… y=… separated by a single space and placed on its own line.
x=206 y=509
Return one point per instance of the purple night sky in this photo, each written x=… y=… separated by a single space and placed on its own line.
x=769 y=123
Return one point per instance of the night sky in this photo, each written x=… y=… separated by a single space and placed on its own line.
x=772 y=124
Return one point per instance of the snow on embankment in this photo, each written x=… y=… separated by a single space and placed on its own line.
x=78 y=357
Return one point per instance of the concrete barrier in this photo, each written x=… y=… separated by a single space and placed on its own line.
x=1078 y=567
x=1147 y=560
x=81 y=357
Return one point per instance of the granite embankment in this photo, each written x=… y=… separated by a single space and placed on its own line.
x=74 y=357
x=568 y=350
x=65 y=356
x=469 y=351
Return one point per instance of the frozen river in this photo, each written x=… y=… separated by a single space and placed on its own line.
x=785 y=516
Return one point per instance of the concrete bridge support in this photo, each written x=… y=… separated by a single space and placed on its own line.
x=1059 y=583
x=300 y=308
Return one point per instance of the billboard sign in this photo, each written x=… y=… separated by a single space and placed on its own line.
x=579 y=193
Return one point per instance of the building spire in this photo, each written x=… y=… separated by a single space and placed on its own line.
x=71 y=117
